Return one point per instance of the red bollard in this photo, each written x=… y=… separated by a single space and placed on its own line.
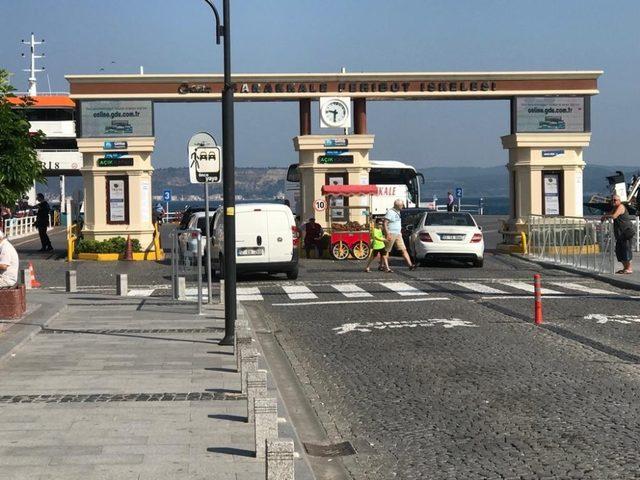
x=537 y=292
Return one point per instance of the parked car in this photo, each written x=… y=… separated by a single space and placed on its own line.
x=186 y=216
x=447 y=235
x=188 y=242
x=266 y=240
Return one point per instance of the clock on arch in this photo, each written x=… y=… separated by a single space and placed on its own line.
x=335 y=112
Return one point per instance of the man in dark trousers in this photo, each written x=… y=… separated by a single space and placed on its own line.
x=42 y=223
x=313 y=233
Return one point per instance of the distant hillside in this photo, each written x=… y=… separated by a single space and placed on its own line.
x=264 y=183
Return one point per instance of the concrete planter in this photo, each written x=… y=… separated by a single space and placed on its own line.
x=111 y=257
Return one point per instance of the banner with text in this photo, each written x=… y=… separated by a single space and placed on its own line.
x=549 y=114
x=118 y=118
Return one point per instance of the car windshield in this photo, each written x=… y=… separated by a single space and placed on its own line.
x=450 y=219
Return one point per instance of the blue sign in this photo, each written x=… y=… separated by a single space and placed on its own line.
x=336 y=142
x=458 y=192
x=335 y=153
x=115 y=154
x=552 y=153
x=167 y=195
x=114 y=145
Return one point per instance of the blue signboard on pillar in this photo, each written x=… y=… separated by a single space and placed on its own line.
x=167 y=195
x=458 y=192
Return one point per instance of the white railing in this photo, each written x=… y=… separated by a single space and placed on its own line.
x=583 y=243
x=478 y=208
x=20 y=226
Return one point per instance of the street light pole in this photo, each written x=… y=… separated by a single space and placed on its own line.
x=228 y=177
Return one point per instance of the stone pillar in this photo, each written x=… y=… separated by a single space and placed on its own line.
x=279 y=463
x=305 y=116
x=248 y=364
x=99 y=175
x=360 y=116
x=182 y=288
x=256 y=388
x=242 y=340
x=266 y=423
x=314 y=173
x=534 y=155
x=25 y=278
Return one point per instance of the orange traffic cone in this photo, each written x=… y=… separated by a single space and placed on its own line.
x=32 y=274
x=128 y=253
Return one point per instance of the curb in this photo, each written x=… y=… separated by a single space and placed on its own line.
x=24 y=330
x=306 y=424
x=616 y=282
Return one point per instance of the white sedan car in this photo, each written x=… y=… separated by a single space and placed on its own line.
x=446 y=235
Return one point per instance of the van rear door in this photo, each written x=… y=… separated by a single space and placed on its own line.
x=252 y=244
x=280 y=236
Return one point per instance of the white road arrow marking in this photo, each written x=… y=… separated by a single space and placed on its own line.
x=369 y=326
x=624 y=319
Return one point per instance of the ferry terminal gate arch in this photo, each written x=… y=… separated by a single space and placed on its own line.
x=545 y=148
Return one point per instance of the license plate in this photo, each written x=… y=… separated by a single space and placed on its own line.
x=451 y=237
x=249 y=251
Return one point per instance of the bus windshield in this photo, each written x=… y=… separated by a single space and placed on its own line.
x=397 y=176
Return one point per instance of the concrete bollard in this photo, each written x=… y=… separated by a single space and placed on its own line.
x=249 y=364
x=182 y=288
x=221 y=291
x=25 y=278
x=256 y=388
x=242 y=340
x=265 y=426
x=121 y=285
x=71 y=281
x=279 y=463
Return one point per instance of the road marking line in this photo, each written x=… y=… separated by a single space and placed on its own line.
x=584 y=288
x=246 y=294
x=555 y=297
x=370 y=326
x=298 y=292
x=403 y=289
x=351 y=290
x=342 y=302
x=140 y=292
x=479 y=287
x=528 y=287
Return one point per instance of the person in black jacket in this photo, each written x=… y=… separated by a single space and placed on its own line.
x=42 y=223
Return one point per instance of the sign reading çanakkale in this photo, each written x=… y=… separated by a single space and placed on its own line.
x=118 y=118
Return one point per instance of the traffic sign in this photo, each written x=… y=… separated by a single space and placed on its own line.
x=458 y=192
x=205 y=159
x=319 y=205
x=167 y=195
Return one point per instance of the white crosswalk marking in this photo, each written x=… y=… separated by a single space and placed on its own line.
x=350 y=290
x=298 y=292
x=247 y=294
x=528 y=287
x=478 y=287
x=402 y=289
x=584 y=288
x=140 y=292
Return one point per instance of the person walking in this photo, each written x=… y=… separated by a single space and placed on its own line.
x=393 y=233
x=623 y=231
x=9 y=263
x=313 y=233
x=42 y=222
x=378 y=247
x=450 y=202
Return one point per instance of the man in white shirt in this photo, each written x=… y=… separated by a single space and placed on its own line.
x=393 y=232
x=9 y=263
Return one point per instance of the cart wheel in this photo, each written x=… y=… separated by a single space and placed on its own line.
x=340 y=250
x=360 y=250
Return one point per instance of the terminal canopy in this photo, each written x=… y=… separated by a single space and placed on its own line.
x=349 y=190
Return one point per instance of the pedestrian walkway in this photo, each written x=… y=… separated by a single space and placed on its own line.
x=125 y=389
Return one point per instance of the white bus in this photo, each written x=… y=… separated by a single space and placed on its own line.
x=393 y=179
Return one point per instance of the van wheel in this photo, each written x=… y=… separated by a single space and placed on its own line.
x=293 y=274
x=478 y=263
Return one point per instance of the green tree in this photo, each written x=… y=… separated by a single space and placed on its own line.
x=19 y=164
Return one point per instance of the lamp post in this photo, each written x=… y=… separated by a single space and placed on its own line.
x=228 y=177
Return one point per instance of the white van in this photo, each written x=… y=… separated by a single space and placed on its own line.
x=266 y=240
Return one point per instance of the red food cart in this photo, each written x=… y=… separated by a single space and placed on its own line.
x=349 y=237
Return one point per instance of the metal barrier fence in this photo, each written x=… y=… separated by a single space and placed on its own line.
x=576 y=241
x=186 y=263
x=20 y=226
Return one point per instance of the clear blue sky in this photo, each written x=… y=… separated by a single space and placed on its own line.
x=169 y=36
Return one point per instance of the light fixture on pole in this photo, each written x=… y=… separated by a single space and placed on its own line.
x=228 y=177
